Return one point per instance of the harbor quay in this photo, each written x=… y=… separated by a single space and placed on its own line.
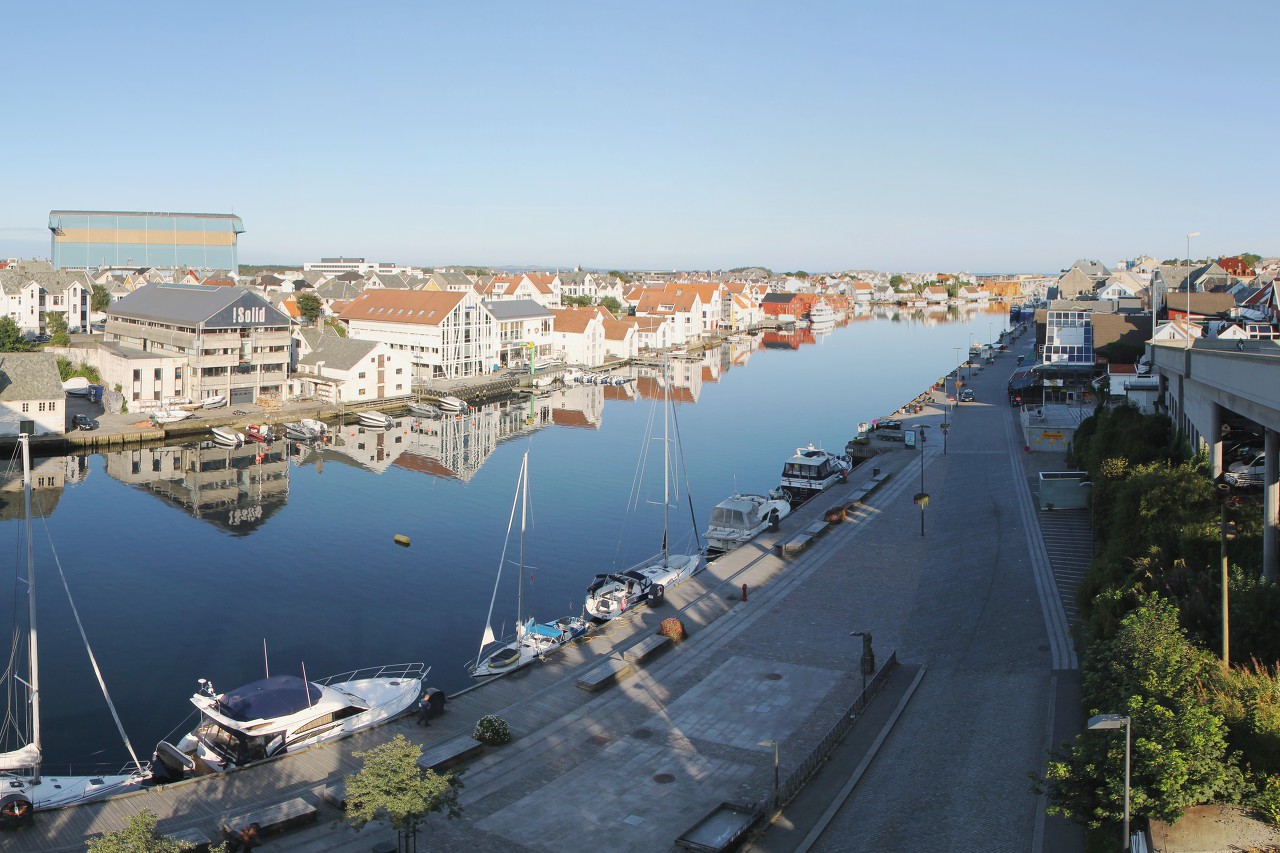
x=962 y=606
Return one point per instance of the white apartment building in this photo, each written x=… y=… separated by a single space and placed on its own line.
x=446 y=335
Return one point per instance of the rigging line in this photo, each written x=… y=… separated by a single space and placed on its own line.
x=684 y=467
x=85 y=639
x=637 y=480
x=488 y=620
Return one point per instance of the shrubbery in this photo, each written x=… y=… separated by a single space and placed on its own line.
x=492 y=730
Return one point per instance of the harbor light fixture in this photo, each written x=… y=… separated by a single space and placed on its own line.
x=1117 y=721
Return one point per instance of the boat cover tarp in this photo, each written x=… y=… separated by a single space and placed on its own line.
x=274 y=696
x=544 y=631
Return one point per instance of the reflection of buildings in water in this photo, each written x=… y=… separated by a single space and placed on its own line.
x=784 y=339
x=454 y=447
x=236 y=489
x=685 y=381
x=49 y=475
x=740 y=351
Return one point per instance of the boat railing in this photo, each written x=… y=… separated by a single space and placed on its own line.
x=101 y=768
x=393 y=670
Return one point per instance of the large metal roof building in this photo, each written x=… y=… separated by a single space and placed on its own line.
x=89 y=239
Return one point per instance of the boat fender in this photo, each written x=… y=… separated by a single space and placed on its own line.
x=401 y=539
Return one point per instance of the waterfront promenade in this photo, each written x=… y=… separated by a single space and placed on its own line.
x=970 y=609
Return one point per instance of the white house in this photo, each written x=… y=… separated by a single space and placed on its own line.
x=683 y=304
x=620 y=338
x=447 y=335
x=578 y=334
x=524 y=330
x=349 y=370
x=31 y=395
x=30 y=295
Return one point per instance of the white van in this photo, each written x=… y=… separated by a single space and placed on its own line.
x=1247 y=473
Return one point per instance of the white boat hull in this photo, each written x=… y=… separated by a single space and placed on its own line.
x=377 y=420
x=617 y=597
x=529 y=647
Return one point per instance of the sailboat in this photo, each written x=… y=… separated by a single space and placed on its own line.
x=533 y=640
x=25 y=788
x=611 y=594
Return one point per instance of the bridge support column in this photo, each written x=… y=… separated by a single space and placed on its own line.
x=1270 y=518
x=1214 y=440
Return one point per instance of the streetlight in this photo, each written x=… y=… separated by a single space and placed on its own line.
x=1187 y=284
x=1093 y=536
x=1117 y=721
x=921 y=499
x=1226 y=533
x=867 y=665
x=774 y=744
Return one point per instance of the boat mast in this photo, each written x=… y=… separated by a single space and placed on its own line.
x=666 y=459
x=33 y=658
x=524 y=510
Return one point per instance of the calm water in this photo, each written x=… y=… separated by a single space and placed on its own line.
x=183 y=560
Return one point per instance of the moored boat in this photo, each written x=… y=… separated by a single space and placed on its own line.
x=452 y=404
x=424 y=410
x=298 y=431
x=377 y=420
x=811 y=470
x=280 y=714
x=160 y=417
x=740 y=518
x=214 y=402
x=259 y=432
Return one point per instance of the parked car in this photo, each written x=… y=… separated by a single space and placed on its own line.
x=1247 y=474
x=966 y=396
x=84 y=422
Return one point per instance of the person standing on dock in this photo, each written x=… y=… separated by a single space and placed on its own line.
x=424 y=710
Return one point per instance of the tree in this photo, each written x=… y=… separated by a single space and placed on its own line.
x=55 y=323
x=895 y=281
x=620 y=276
x=390 y=786
x=101 y=299
x=1151 y=673
x=613 y=306
x=1250 y=258
x=309 y=306
x=140 y=836
x=11 y=337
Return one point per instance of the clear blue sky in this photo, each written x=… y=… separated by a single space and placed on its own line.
x=892 y=135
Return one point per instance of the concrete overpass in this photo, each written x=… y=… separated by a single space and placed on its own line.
x=1202 y=384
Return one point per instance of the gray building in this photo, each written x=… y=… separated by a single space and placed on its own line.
x=31 y=395
x=190 y=341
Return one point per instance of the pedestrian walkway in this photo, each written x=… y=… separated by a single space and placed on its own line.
x=938 y=761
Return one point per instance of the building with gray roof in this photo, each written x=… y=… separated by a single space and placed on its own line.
x=31 y=395
x=352 y=370
x=197 y=342
x=32 y=292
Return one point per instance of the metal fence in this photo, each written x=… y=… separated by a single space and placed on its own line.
x=791 y=786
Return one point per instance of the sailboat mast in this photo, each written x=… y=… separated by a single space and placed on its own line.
x=666 y=458
x=33 y=657
x=524 y=511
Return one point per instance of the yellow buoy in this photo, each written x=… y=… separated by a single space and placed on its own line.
x=401 y=539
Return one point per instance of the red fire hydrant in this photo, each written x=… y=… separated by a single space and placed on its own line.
x=744 y=592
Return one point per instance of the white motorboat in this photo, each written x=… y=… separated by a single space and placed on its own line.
x=822 y=315
x=612 y=594
x=25 y=788
x=320 y=428
x=160 y=417
x=532 y=640
x=812 y=470
x=377 y=420
x=739 y=519
x=77 y=386
x=424 y=410
x=227 y=436
x=217 y=401
x=285 y=713
x=452 y=404
x=299 y=431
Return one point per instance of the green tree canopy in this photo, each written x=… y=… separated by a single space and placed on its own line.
x=140 y=836
x=101 y=299
x=896 y=281
x=1250 y=258
x=1151 y=673
x=625 y=278
x=390 y=786
x=309 y=306
x=613 y=306
x=11 y=337
x=55 y=323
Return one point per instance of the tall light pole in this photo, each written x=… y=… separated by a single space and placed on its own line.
x=1226 y=532
x=922 y=498
x=1187 y=284
x=1117 y=721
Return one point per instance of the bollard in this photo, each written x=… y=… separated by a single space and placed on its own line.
x=744 y=592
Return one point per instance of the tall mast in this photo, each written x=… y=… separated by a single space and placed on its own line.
x=524 y=510
x=666 y=458
x=33 y=658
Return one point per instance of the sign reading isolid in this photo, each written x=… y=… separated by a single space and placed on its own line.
x=1054 y=435
x=248 y=311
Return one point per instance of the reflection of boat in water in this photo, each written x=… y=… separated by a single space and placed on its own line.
x=227 y=436
x=306 y=429
x=424 y=410
x=533 y=640
x=25 y=787
x=260 y=433
x=284 y=713
x=375 y=419
x=452 y=404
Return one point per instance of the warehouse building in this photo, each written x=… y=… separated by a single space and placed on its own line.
x=94 y=239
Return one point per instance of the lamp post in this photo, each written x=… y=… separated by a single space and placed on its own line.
x=1117 y=721
x=1093 y=537
x=867 y=664
x=1226 y=532
x=773 y=743
x=922 y=498
x=1187 y=284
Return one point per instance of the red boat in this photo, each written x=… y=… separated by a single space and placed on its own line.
x=262 y=433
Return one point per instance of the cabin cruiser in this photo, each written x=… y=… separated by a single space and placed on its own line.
x=284 y=713
x=227 y=436
x=739 y=519
x=613 y=594
x=811 y=470
x=377 y=420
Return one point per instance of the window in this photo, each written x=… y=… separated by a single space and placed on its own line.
x=361 y=375
x=362 y=392
x=26 y=407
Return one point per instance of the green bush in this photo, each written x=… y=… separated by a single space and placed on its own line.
x=1266 y=802
x=492 y=730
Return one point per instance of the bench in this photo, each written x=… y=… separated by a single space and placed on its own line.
x=451 y=753
x=272 y=819
x=880 y=477
x=196 y=837
x=334 y=794
x=857 y=497
x=621 y=664
x=817 y=528
x=796 y=543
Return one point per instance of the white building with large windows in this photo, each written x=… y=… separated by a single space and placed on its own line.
x=446 y=335
x=191 y=341
x=31 y=292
